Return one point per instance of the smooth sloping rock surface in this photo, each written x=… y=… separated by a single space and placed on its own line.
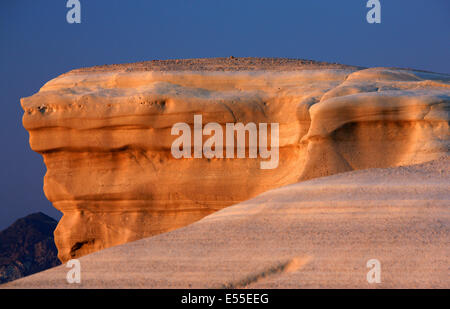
x=314 y=234
x=105 y=135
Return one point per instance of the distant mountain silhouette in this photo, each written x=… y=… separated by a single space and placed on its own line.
x=27 y=247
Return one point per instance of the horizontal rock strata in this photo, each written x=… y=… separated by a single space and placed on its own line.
x=105 y=136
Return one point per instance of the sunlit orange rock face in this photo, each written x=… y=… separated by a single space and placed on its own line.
x=105 y=136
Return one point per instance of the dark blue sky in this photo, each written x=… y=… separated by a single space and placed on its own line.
x=37 y=44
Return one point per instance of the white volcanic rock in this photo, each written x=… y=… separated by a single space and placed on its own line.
x=105 y=135
x=318 y=233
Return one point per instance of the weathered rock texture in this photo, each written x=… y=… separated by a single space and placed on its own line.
x=318 y=233
x=105 y=135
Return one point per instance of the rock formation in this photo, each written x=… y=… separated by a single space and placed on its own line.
x=105 y=135
x=27 y=247
x=318 y=233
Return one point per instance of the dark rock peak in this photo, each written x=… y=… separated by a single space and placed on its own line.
x=27 y=246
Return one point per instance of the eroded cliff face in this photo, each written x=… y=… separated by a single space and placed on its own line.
x=105 y=135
